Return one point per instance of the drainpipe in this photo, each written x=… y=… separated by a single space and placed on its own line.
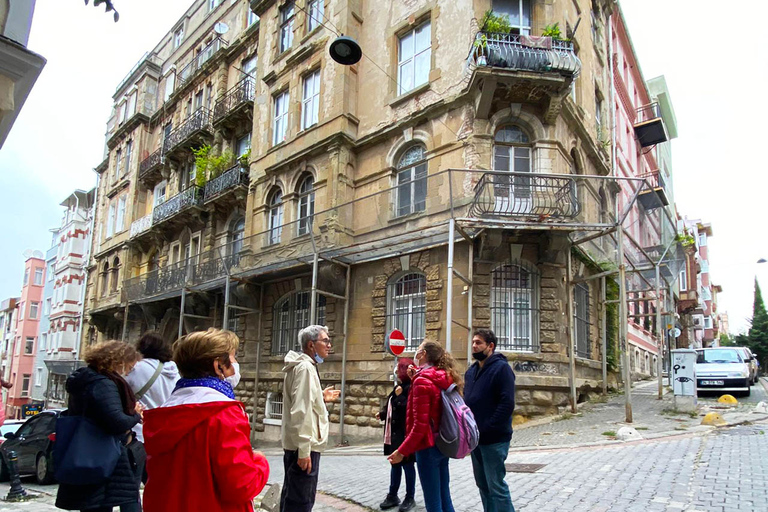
x=344 y=358
x=571 y=333
x=449 y=315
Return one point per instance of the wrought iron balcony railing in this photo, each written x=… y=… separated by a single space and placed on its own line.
x=229 y=179
x=524 y=53
x=521 y=194
x=241 y=93
x=150 y=163
x=141 y=225
x=177 y=204
x=198 y=121
x=191 y=69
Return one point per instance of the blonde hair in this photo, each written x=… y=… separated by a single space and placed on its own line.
x=109 y=355
x=439 y=358
x=195 y=353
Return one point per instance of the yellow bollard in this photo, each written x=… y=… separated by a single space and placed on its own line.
x=728 y=399
x=713 y=419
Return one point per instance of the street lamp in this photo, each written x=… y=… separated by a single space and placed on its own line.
x=345 y=50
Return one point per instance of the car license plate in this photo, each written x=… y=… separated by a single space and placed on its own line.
x=712 y=383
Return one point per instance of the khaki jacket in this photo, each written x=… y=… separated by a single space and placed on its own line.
x=305 y=417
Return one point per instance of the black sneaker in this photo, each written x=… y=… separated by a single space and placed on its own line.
x=408 y=504
x=389 y=502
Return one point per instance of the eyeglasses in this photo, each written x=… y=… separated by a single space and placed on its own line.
x=327 y=341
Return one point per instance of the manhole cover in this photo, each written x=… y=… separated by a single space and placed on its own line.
x=523 y=468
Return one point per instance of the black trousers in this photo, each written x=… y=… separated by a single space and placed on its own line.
x=299 y=487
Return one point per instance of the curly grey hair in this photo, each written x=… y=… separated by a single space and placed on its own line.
x=310 y=333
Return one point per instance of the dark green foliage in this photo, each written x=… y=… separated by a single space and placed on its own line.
x=107 y=7
x=757 y=338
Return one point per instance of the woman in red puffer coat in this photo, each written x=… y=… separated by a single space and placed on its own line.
x=436 y=372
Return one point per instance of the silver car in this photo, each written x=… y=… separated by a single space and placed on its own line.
x=751 y=360
x=722 y=369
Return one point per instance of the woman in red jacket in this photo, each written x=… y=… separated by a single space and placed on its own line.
x=436 y=372
x=198 y=442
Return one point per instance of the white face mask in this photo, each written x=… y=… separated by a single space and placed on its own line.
x=234 y=379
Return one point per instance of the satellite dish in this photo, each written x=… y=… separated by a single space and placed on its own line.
x=37 y=254
x=221 y=28
x=27 y=254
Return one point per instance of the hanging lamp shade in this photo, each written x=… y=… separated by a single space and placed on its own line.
x=345 y=50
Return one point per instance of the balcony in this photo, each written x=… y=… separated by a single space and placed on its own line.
x=195 y=130
x=141 y=225
x=233 y=179
x=189 y=71
x=237 y=103
x=185 y=200
x=506 y=194
x=655 y=194
x=149 y=168
x=514 y=68
x=649 y=126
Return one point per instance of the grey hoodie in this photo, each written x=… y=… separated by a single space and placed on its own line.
x=305 y=417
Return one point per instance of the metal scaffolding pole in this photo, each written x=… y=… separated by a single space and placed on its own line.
x=571 y=331
x=181 y=311
x=659 y=330
x=623 y=327
x=344 y=357
x=313 y=304
x=258 y=365
x=470 y=290
x=604 y=332
x=225 y=319
x=125 y=323
x=449 y=319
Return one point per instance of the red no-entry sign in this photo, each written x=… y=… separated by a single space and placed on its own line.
x=396 y=343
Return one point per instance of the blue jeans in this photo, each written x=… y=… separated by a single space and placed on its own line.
x=488 y=466
x=396 y=476
x=435 y=480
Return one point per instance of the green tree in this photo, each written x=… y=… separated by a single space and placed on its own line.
x=726 y=340
x=757 y=338
x=107 y=7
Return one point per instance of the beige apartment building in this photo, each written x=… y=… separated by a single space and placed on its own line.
x=452 y=179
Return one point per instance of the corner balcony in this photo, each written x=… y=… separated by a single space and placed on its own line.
x=649 y=126
x=227 y=184
x=190 y=71
x=655 y=194
x=236 y=105
x=525 y=195
x=150 y=167
x=195 y=130
x=186 y=200
x=515 y=68
x=141 y=226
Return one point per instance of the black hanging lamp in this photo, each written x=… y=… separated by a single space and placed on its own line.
x=345 y=50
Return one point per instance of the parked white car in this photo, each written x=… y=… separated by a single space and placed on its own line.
x=722 y=369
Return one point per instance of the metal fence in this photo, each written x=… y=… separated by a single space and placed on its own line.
x=514 y=305
x=524 y=53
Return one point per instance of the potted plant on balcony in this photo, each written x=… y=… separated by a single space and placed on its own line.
x=490 y=54
x=210 y=166
x=245 y=160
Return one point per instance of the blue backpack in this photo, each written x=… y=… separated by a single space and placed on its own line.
x=458 y=434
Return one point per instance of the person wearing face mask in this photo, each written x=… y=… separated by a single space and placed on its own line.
x=489 y=391
x=198 y=441
x=100 y=393
x=305 y=419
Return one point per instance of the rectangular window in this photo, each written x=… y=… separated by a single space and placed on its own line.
x=159 y=193
x=128 y=151
x=47 y=309
x=581 y=320
x=243 y=144
x=252 y=17
x=111 y=221
x=131 y=105
x=310 y=102
x=178 y=37
x=286 y=26
x=26 y=277
x=25 y=384
x=316 y=12
x=120 y=219
x=407 y=304
x=249 y=67
x=29 y=346
x=39 y=276
x=212 y=4
x=274 y=410
x=414 y=58
x=684 y=280
x=39 y=377
x=34 y=310
x=702 y=239
x=412 y=190
x=280 y=121
x=50 y=272
x=118 y=164
x=44 y=341
x=121 y=112
x=170 y=84
x=707 y=322
x=518 y=12
x=599 y=116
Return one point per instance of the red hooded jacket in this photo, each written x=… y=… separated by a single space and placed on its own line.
x=199 y=457
x=425 y=409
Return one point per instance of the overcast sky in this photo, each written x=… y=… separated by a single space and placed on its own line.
x=714 y=76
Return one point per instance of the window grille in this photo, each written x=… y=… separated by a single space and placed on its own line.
x=291 y=314
x=515 y=307
x=274 y=406
x=581 y=320
x=408 y=307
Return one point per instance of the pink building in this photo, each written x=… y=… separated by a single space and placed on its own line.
x=22 y=356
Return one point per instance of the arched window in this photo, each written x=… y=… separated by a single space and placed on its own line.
x=306 y=207
x=105 y=280
x=115 y=273
x=512 y=153
x=412 y=181
x=290 y=315
x=407 y=308
x=275 y=217
x=236 y=236
x=515 y=307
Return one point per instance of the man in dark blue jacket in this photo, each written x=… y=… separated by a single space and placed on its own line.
x=489 y=391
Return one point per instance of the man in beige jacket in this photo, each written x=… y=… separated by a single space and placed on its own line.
x=305 y=419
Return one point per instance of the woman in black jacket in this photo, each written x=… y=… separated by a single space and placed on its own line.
x=99 y=392
x=393 y=414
